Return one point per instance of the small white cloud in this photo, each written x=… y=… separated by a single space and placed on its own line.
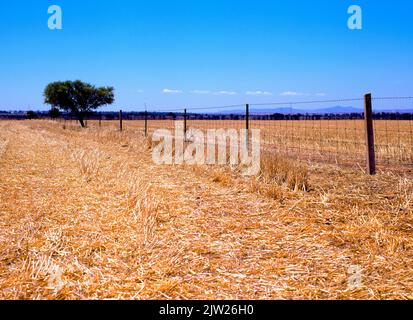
x=258 y=93
x=201 y=92
x=321 y=94
x=226 y=93
x=140 y=91
x=172 y=91
x=291 y=94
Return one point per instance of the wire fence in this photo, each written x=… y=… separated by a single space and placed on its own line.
x=394 y=131
x=325 y=131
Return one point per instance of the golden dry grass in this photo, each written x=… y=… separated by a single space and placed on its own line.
x=278 y=170
x=85 y=214
x=333 y=141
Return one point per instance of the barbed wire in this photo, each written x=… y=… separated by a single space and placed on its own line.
x=199 y=108
x=305 y=102
x=263 y=104
x=279 y=103
x=392 y=98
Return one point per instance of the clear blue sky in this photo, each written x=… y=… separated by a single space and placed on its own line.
x=214 y=51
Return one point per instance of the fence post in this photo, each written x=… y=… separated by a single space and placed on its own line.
x=100 y=119
x=247 y=114
x=369 y=128
x=120 y=120
x=247 y=123
x=146 y=123
x=185 y=122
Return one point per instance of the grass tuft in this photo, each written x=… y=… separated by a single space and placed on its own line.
x=283 y=171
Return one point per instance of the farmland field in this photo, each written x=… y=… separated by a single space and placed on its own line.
x=331 y=141
x=86 y=214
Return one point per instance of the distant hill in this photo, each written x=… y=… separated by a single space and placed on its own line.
x=258 y=111
x=320 y=111
x=337 y=110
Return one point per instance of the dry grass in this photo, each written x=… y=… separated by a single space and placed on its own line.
x=279 y=170
x=3 y=146
x=85 y=214
x=327 y=141
x=88 y=161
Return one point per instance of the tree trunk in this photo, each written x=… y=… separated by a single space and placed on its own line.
x=82 y=122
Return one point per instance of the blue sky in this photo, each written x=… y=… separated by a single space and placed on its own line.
x=171 y=54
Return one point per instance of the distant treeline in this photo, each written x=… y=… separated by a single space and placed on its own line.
x=20 y=115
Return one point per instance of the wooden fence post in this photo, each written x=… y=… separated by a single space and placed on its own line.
x=369 y=128
x=247 y=116
x=100 y=119
x=185 y=122
x=120 y=120
x=247 y=123
x=146 y=123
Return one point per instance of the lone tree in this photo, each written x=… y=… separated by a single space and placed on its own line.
x=78 y=97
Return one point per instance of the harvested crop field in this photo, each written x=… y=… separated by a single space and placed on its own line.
x=329 y=141
x=86 y=214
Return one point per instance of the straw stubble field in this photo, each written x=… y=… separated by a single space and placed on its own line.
x=329 y=141
x=86 y=214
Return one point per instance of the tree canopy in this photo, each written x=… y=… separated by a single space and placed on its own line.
x=78 y=97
